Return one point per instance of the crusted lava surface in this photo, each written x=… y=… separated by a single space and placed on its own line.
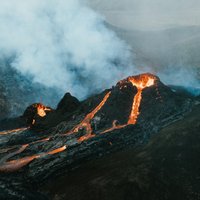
x=61 y=140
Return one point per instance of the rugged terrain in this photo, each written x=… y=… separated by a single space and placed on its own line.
x=166 y=168
x=47 y=144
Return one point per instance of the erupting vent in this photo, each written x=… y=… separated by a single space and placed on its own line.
x=140 y=82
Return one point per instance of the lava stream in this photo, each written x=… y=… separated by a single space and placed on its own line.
x=135 y=108
x=13 y=131
x=114 y=127
x=141 y=82
x=20 y=150
x=15 y=165
x=86 y=121
x=56 y=150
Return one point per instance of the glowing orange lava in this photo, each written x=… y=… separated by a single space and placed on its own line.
x=114 y=127
x=86 y=121
x=41 y=110
x=57 y=150
x=141 y=82
x=13 y=131
x=15 y=165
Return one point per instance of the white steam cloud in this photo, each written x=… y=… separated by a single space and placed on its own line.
x=62 y=44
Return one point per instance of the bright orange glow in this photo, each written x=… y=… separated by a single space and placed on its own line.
x=13 y=131
x=15 y=165
x=141 y=82
x=57 y=150
x=135 y=107
x=41 y=110
x=86 y=121
x=86 y=137
x=114 y=127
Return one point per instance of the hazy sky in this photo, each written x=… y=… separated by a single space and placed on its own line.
x=149 y=14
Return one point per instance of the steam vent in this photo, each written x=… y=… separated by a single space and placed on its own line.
x=120 y=122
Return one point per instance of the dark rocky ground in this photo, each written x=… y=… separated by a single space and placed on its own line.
x=140 y=161
x=168 y=167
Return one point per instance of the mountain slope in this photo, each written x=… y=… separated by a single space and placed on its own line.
x=122 y=117
x=167 y=168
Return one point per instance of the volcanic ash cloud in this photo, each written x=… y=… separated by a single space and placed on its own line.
x=62 y=44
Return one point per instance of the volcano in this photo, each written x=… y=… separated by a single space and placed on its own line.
x=49 y=143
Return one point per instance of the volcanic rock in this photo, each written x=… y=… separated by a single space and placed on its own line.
x=166 y=168
x=4 y=106
x=68 y=104
x=125 y=116
x=35 y=112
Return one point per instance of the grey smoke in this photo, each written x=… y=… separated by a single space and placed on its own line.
x=62 y=44
x=65 y=45
x=163 y=34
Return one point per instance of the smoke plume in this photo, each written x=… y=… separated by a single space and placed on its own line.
x=62 y=44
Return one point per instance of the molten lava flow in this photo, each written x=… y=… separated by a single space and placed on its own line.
x=135 y=107
x=57 y=150
x=114 y=127
x=20 y=150
x=14 y=165
x=86 y=121
x=86 y=137
x=141 y=82
x=42 y=140
x=13 y=131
